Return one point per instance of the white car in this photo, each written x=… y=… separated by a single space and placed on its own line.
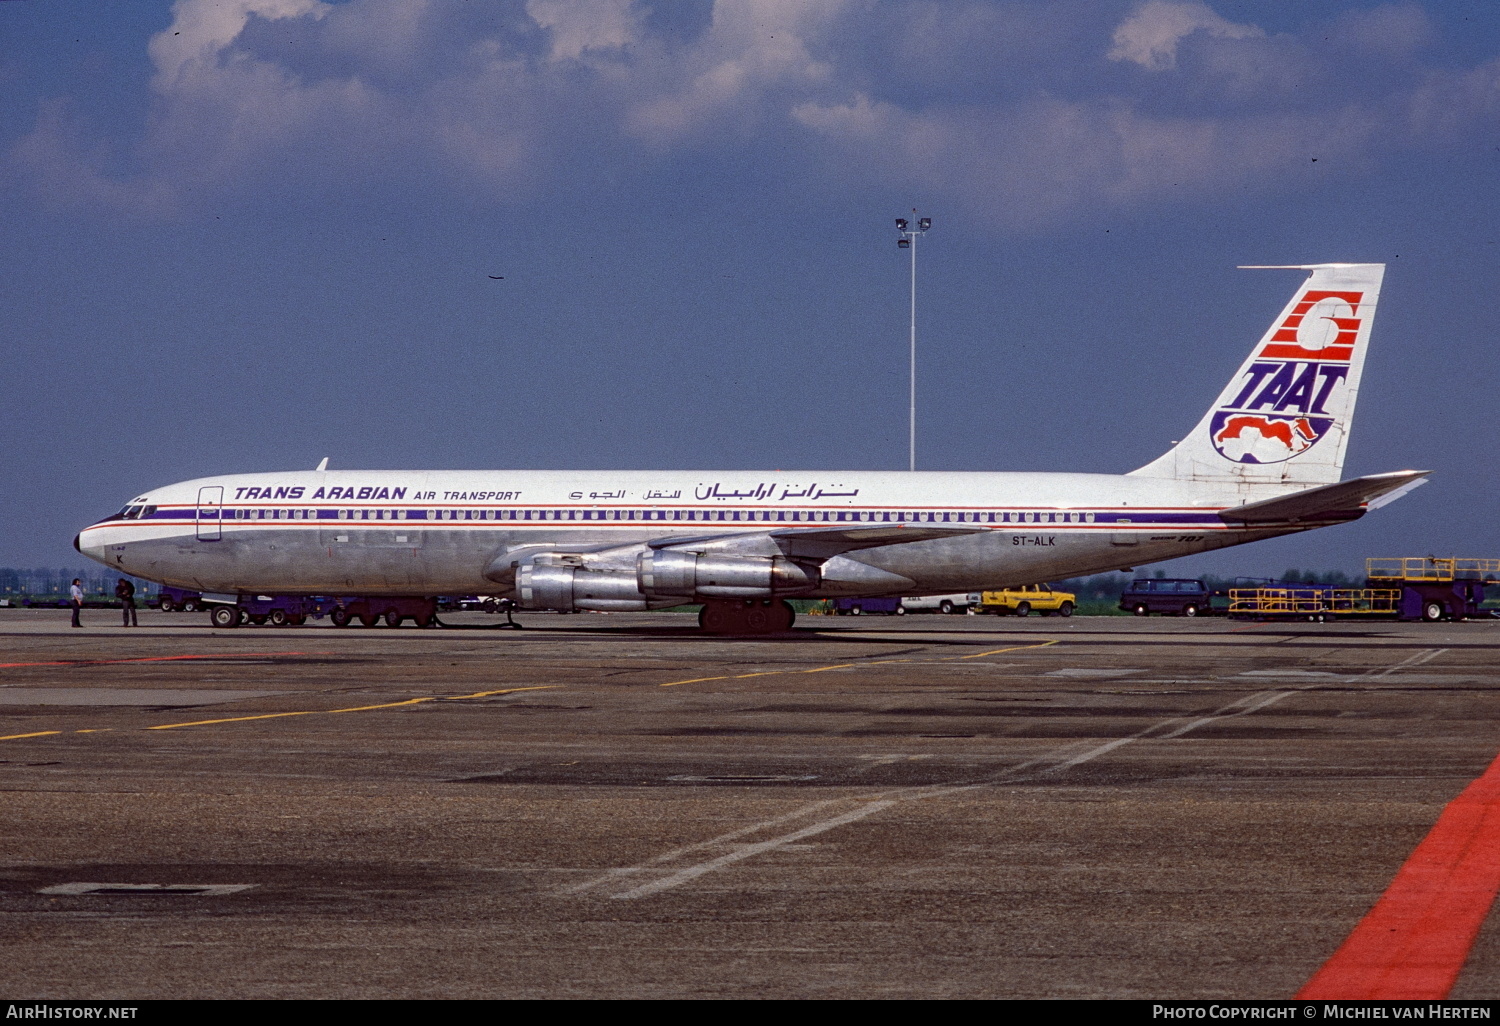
x=959 y=602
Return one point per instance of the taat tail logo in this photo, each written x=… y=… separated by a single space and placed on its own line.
x=1281 y=407
x=1247 y=438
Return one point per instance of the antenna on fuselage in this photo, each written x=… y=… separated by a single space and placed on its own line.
x=324 y=464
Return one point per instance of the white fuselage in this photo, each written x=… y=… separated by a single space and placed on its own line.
x=436 y=532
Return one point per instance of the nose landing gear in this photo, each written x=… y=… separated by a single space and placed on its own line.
x=746 y=616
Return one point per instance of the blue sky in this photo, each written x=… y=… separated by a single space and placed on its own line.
x=244 y=235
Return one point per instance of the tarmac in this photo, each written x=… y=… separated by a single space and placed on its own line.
x=618 y=806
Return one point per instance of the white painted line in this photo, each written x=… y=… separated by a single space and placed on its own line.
x=182 y=890
x=1059 y=760
x=712 y=842
x=682 y=876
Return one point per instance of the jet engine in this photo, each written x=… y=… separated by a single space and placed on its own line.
x=674 y=573
x=570 y=587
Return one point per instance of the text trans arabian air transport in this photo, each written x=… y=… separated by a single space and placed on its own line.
x=1265 y=460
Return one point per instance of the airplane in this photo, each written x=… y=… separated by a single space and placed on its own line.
x=1265 y=460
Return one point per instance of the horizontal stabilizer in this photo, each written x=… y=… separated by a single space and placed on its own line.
x=1346 y=500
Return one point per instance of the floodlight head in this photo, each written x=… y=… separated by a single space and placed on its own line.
x=901 y=224
x=924 y=224
x=903 y=243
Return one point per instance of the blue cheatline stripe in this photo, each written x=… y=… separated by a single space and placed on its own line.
x=1016 y=520
x=748 y=517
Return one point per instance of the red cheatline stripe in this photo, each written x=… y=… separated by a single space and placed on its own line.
x=163 y=659
x=1413 y=943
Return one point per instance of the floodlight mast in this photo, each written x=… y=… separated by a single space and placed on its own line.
x=908 y=240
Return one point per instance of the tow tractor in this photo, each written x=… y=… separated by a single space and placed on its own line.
x=294 y=610
x=1427 y=588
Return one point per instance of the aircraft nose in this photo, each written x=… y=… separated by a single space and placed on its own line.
x=93 y=550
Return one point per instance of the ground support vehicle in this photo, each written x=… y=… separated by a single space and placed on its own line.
x=1403 y=588
x=276 y=610
x=1435 y=588
x=1168 y=595
x=1022 y=601
x=959 y=602
x=1315 y=602
x=177 y=600
x=859 y=606
x=369 y=611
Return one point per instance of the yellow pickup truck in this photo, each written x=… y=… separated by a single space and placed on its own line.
x=1026 y=599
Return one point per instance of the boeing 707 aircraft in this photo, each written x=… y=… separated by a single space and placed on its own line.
x=1265 y=460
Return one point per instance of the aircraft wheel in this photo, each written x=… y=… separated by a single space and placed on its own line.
x=788 y=616
x=424 y=620
x=1066 y=609
x=369 y=619
x=758 y=620
x=718 y=617
x=340 y=617
x=224 y=616
x=392 y=618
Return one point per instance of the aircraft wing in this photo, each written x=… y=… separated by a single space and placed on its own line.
x=818 y=543
x=1346 y=500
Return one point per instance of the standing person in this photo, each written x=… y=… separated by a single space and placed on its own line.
x=125 y=592
x=75 y=599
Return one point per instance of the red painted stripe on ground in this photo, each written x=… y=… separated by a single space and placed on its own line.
x=1415 y=940
x=163 y=659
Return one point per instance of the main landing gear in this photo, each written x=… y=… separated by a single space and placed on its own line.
x=746 y=616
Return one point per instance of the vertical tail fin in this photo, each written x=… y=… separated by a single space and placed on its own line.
x=1284 y=417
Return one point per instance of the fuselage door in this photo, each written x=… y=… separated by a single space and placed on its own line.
x=210 y=505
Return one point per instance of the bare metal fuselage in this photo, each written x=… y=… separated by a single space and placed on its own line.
x=439 y=533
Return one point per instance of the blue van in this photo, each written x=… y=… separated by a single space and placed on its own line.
x=1167 y=595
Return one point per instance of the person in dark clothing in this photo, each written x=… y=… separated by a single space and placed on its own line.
x=125 y=592
x=75 y=599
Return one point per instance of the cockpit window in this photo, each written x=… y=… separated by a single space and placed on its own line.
x=131 y=512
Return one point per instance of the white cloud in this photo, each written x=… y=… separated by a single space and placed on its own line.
x=1149 y=37
x=754 y=47
x=581 y=25
x=201 y=29
x=259 y=95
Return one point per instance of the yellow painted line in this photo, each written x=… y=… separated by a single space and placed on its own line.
x=351 y=709
x=301 y=712
x=235 y=719
x=997 y=651
x=846 y=666
x=506 y=691
x=731 y=676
